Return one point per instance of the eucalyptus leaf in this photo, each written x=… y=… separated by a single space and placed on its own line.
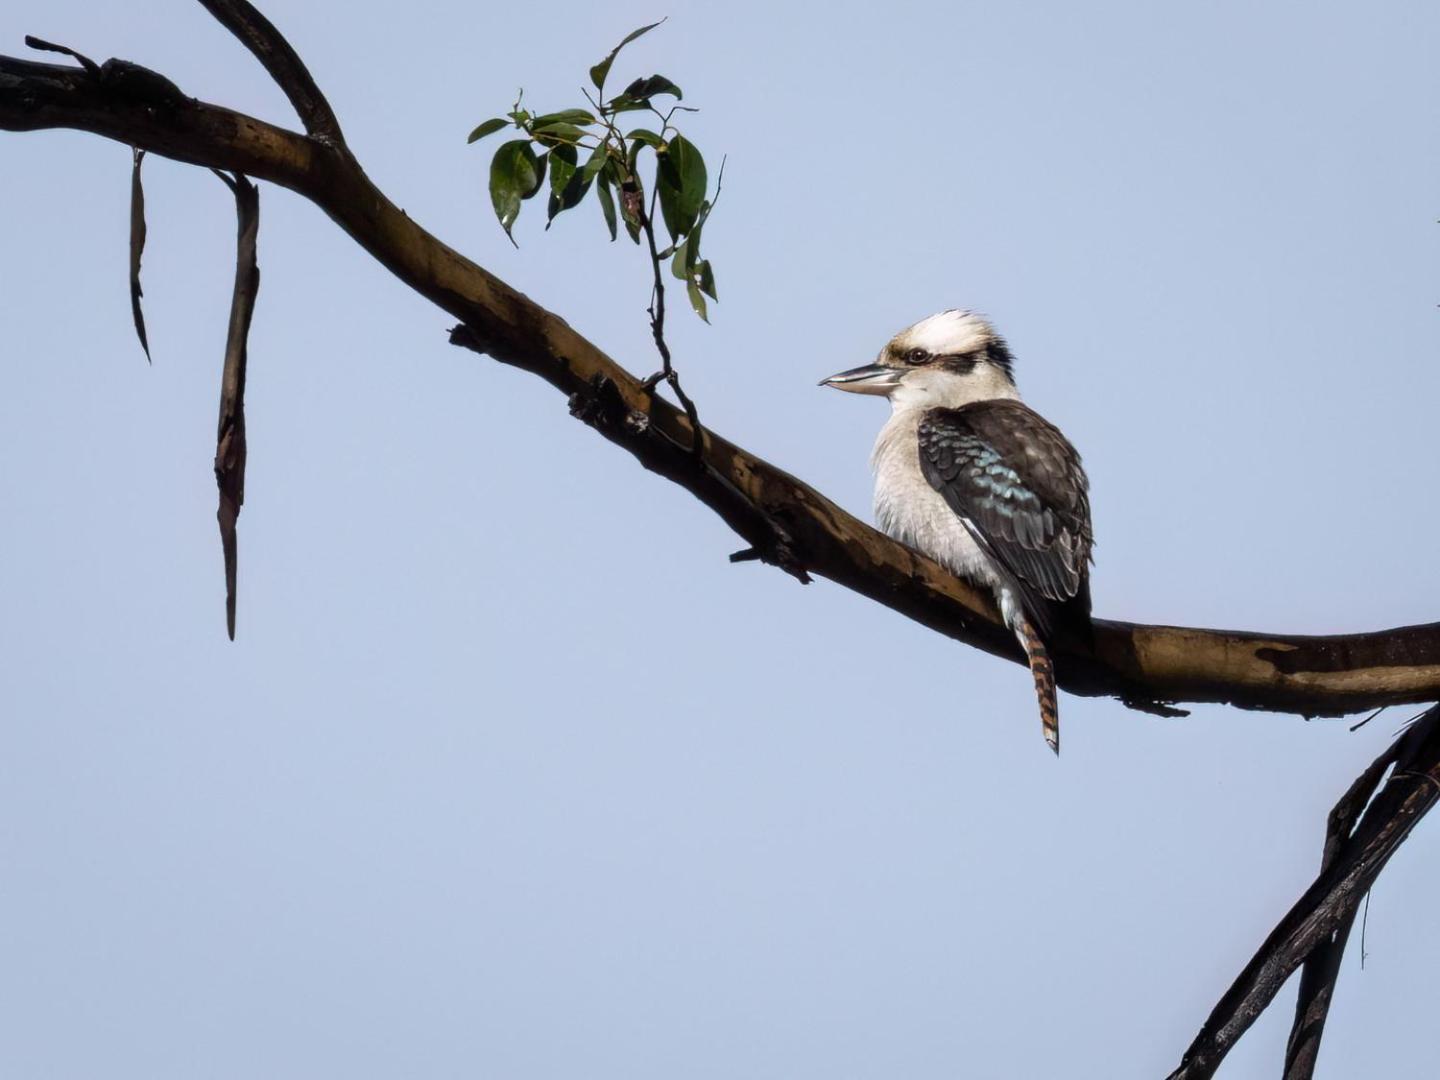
x=566 y=116
x=625 y=103
x=678 y=265
x=607 y=203
x=539 y=175
x=697 y=300
x=645 y=89
x=568 y=184
x=692 y=244
x=706 y=278
x=489 y=127
x=557 y=134
x=681 y=181
x=514 y=175
x=562 y=166
x=602 y=69
x=646 y=136
x=598 y=157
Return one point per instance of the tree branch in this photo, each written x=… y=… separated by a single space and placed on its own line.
x=785 y=521
x=1315 y=926
x=1322 y=967
x=258 y=34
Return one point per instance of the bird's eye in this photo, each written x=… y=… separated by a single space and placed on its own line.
x=916 y=356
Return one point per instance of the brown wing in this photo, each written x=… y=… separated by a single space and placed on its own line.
x=1017 y=484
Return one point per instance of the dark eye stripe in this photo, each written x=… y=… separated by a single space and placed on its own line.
x=960 y=363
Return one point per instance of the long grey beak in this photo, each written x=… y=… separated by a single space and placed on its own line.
x=870 y=379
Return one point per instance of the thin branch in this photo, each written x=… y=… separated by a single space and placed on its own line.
x=790 y=523
x=230 y=447
x=258 y=34
x=1323 y=915
x=1322 y=967
x=657 y=330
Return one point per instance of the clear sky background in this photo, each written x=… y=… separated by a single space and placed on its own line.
x=510 y=773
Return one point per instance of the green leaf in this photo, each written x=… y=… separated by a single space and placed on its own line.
x=602 y=69
x=649 y=138
x=706 y=279
x=539 y=175
x=706 y=206
x=566 y=116
x=489 y=127
x=682 y=181
x=562 y=166
x=515 y=174
x=557 y=134
x=697 y=300
x=693 y=270
x=568 y=185
x=598 y=157
x=607 y=202
x=645 y=89
x=625 y=103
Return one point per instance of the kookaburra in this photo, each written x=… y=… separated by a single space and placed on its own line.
x=978 y=481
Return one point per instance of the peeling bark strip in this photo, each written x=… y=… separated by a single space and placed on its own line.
x=1314 y=928
x=137 y=248
x=789 y=523
x=230 y=433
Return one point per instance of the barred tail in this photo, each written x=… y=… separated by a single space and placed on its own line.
x=1044 y=674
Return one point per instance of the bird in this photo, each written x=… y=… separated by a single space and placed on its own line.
x=969 y=475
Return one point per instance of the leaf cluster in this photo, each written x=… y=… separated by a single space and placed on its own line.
x=585 y=149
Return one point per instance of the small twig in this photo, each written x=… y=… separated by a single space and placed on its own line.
x=258 y=34
x=49 y=46
x=1364 y=926
x=1372 y=716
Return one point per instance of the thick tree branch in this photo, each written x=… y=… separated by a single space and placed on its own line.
x=1314 y=927
x=787 y=522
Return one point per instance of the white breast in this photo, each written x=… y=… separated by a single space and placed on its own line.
x=910 y=510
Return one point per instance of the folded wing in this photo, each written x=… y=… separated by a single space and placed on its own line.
x=1018 y=486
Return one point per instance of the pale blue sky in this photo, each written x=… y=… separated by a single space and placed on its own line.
x=510 y=773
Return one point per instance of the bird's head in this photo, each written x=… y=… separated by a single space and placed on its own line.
x=947 y=360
